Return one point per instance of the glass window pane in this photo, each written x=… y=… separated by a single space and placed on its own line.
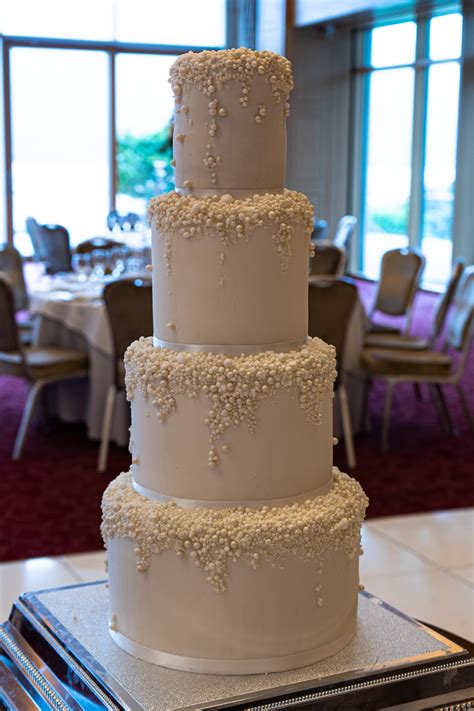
x=144 y=140
x=78 y=19
x=60 y=140
x=181 y=22
x=393 y=44
x=440 y=169
x=388 y=172
x=446 y=36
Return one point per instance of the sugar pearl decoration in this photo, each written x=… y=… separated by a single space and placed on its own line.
x=231 y=219
x=188 y=184
x=113 y=622
x=210 y=70
x=234 y=386
x=149 y=267
x=214 y=539
x=180 y=137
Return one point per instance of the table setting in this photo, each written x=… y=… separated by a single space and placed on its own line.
x=68 y=311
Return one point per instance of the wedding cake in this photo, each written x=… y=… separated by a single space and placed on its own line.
x=233 y=543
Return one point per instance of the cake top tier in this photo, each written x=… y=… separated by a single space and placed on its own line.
x=229 y=132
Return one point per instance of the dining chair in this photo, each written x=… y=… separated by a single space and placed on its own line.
x=129 y=309
x=429 y=366
x=39 y=366
x=344 y=232
x=11 y=265
x=400 y=275
x=51 y=245
x=407 y=342
x=331 y=305
x=328 y=260
x=320 y=230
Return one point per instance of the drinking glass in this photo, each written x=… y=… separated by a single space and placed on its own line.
x=99 y=263
x=81 y=265
x=118 y=260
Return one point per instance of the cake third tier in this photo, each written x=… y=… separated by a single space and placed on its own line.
x=231 y=274
x=253 y=430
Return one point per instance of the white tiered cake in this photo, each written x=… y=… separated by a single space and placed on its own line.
x=233 y=544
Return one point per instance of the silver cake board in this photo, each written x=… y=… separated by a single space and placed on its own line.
x=56 y=653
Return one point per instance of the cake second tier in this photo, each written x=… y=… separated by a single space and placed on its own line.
x=215 y=431
x=231 y=274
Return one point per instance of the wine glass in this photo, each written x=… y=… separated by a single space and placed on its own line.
x=99 y=263
x=81 y=265
x=118 y=260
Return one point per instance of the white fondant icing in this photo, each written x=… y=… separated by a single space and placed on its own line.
x=285 y=457
x=264 y=614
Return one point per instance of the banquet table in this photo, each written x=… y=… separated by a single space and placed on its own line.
x=68 y=317
x=79 y=321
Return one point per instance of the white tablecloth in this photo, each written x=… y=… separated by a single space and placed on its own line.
x=83 y=325
x=63 y=321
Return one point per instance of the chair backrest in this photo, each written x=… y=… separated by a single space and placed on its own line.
x=331 y=305
x=32 y=229
x=320 y=230
x=90 y=245
x=446 y=299
x=399 y=278
x=129 y=308
x=9 y=340
x=12 y=264
x=51 y=245
x=328 y=260
x=344 y=232
x=461 y=318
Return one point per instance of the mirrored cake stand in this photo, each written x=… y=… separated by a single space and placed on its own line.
x=56 y=653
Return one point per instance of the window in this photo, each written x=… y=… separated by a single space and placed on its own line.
x=88 y=120
x=144 y=140
x=181 y=22
x=410 y=81
x=60 y=167
x=156 y=22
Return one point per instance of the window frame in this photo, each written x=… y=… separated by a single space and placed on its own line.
x=111 y=49
x=361 y=71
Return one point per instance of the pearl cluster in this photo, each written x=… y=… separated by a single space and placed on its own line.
x=232 y=219
x=262 y=112
x=234 y=386
x=214 y=538
x=210 y=70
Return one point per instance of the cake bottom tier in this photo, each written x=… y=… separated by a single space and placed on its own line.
x=267 y=620
x=236 y=591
